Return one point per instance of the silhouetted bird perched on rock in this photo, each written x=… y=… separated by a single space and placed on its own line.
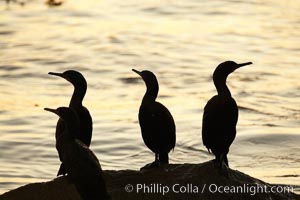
x=80 y=162
x=157 y=124
x=85 y=119
x=53 y=3
x=221 y=115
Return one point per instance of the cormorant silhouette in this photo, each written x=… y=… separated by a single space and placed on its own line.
x=85 y=119
x=156 y=122
x=53 y=3
x=220 y=115
x=82 y=165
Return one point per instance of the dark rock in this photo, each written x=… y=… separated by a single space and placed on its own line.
x=174 y=181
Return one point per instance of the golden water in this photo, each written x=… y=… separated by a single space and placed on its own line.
x=181 y=42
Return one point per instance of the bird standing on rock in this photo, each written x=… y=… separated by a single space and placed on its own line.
x=221 y=115
x=53 y=3
x=82 y=165
x=156 y=122
x=85 y=119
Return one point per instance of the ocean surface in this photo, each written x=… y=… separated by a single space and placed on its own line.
x=181 y=41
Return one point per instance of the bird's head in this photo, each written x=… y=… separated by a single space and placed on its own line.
x=226 y=68
x=67 y=115
x=151 y=83
x=74 y=77
x=147 y=76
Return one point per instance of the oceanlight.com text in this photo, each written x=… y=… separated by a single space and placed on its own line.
x=251 y=189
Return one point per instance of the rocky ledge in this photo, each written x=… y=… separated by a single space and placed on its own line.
x=175 y=181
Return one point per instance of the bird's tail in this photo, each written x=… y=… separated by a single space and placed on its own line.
x=62 y=170
x=223 y=159
x=222 y=163
x=208 y=149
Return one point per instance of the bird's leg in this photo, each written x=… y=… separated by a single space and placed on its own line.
x=156 y=161
x=154 y=164
x=163 y=158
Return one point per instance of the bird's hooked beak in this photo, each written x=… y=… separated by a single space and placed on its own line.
x=62 y=75
x=138 y=72
x=243 y=64
x=51 y=110
x=56 y=74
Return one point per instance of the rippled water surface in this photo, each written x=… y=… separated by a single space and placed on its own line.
x=181 y=42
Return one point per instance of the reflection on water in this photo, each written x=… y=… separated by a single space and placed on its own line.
x=182 y=42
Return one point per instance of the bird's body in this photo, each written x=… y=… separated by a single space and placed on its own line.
x=221 y=115
x=157 y=127
x=156 y=122
x=80 y=162
x=219 y=125
x=85 y=119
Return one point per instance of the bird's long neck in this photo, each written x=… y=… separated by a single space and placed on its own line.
x=68 y=135
x=77 y=97
x=151 y=92
x=220 y=83
x=62 y=141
